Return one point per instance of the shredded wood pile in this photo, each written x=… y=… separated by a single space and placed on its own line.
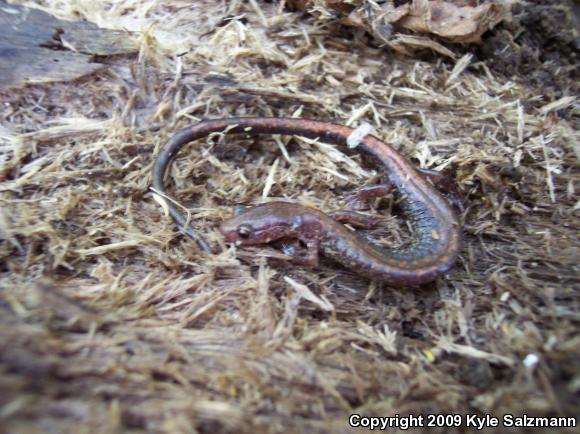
x=111 y=320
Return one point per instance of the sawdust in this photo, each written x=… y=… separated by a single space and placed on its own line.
x=110 y=320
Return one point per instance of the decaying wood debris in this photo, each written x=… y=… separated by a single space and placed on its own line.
x=36 y=47
x=407 y=26
x=111 y=320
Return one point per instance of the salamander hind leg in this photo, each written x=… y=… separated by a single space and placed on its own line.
x=356 y=219
x=445 y=183
x=359 y=199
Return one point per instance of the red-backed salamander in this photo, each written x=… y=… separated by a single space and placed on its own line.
x=436 y=230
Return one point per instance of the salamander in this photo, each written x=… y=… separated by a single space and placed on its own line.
x=436 y=230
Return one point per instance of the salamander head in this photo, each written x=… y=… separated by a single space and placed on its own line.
x=260 y=224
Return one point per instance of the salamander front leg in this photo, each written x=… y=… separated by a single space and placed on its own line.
x=298 y=254
x=445 y=183
x=288 y=246
x=310 y=257
x=359 y=199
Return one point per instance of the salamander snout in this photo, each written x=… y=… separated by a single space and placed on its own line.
x=236 y=232
x=260 y=224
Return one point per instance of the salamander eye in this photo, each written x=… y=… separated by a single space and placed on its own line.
x=245 y=230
